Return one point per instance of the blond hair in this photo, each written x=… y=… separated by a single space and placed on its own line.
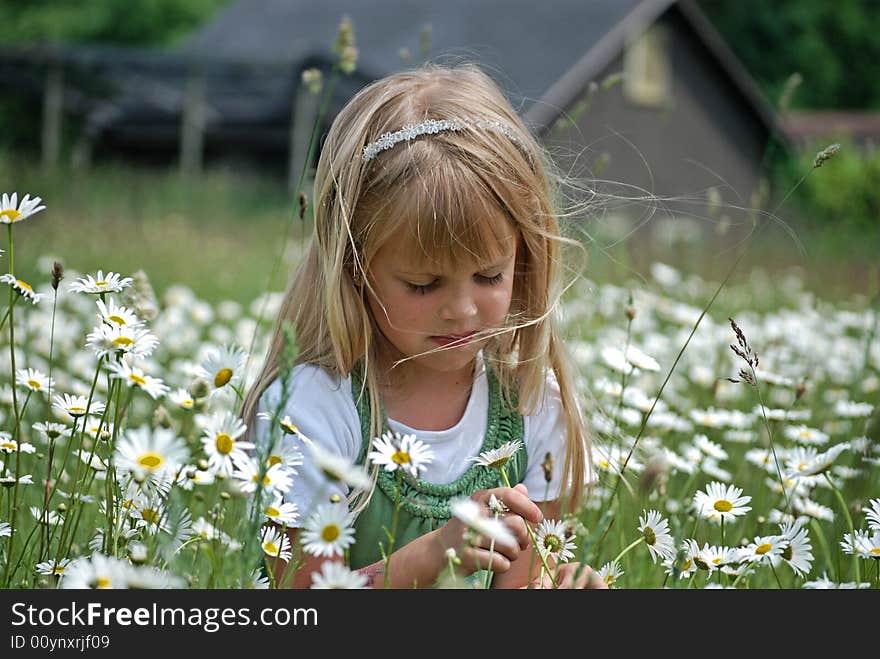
x=444 y=189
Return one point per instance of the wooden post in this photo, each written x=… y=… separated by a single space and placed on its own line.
x=192 y=126
x=53 y=104
x=304 y=111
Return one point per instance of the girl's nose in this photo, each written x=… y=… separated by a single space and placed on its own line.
x=459 y=305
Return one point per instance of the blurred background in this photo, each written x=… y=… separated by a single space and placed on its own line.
x=174 y=136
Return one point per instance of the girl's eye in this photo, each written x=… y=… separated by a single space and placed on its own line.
x=422 y=289
x=494 y=279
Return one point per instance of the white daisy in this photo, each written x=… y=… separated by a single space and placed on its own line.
x=222 y=444
x=101 y=283
x=610 y=573
x=155 y=454
x=116 y=315
x=766 y=547
x=5 y=529
x=805 y=435
x=824 y=583
x=53 y=518
x=133 y=376
x=554 y=541
x=807 y=462
x=873 y=514
x=798 y=553
x=113 y=340
x=22 y=287
x=51 y=431
x=182 y=398
x=276 y=480
x=864 y=544
x=641 y=360
x=338 y=469
x=223 y=366
x=709 y=447
x=33 y=380
x=711 y=557
x=655 y=531
x=275 y=544
x=11 y=211
x=285 y=453
x=337 y=576
x=498 y=457
x=96 y=572
x=394 y=451
x=9 y=445
x=77 y=406
x=281 y=512
x=53 y=567
x=329 y=531
x=721 y=502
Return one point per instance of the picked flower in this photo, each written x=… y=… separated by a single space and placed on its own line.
x=11 y=211
x=394 y=451
x=471 y=513
x=553 y=540
x=337 y=468
x=500 y=456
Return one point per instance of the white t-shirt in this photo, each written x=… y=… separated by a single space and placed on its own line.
x=322 y=406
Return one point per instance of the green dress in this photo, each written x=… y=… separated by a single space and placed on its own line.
x=424 y=506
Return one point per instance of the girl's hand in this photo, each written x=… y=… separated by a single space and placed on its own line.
x=477 y=556
x=573 y=575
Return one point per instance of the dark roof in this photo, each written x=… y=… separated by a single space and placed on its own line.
x=805 y=127
x=525 y=45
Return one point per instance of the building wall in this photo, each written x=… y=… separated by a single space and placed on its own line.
x=703 y=135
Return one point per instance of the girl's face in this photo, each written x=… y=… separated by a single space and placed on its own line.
x=421 y=307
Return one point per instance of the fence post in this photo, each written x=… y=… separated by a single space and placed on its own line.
x=53 y=103
x=192 y=129
x=304 y=111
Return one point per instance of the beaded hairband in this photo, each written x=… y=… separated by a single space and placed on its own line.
x=433 y=126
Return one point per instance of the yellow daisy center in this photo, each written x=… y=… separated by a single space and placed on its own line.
x=9 y=446
x=58 y=569
x=24 y=284
x=289 y=428
x=123 y=341
x=116 y=319
x=150 y=460
x=273 y=460
x=76 y=411
x=552 y=543
x=137 y=379
x=224 y=375
x=272 y=512
x=875 y=551
x=271 y=548
x=764 y=548
x=11 y=213
x=224 y=443
x=150 y=515
x=329 y=533
x=400 y=457
x=101 y=283
x=34 y=384
x=787 y=553
x=102 y=582
x=650 y=536
x=723 y=506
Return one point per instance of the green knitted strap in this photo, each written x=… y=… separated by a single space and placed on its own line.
x=431 y=500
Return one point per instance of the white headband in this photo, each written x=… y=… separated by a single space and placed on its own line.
x=433 y=126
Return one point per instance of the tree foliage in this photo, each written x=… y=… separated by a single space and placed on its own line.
x=116 y=22
x=835 y=46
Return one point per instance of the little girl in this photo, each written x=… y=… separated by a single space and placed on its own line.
x=425 y=306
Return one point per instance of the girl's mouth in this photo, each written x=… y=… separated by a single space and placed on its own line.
x=452 y=339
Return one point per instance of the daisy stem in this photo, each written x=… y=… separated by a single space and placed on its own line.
x=488 y=582
x=776 y=574
x=626 y=549
x=532 y=536
x=852 y=532
x=387 y=581
x=10 y=547
x=743 y=573
x=770 y=439
x=6 y=315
